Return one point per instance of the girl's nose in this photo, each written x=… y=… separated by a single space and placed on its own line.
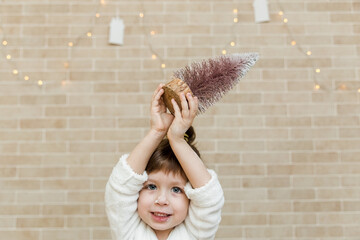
x=162 y=200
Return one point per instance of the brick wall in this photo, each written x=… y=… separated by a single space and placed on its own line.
x=285 y=141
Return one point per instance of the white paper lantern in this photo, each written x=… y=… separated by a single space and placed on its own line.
x=261 y=11
x=116 y=34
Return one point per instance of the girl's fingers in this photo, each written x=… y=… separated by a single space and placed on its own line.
x=193 y=104
x=157 y=95
x=176 y=109
x=184 y=104
x=158 y=89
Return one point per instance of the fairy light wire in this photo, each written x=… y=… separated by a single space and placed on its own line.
x=149 y=33
x=11 y=60
x=308 y=53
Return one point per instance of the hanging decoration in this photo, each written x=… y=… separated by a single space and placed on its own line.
x=116 y=33
x=261 y=11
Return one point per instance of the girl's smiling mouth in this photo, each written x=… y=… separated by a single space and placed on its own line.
x=160 y=216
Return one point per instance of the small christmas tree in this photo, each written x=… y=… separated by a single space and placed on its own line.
x=208 y=80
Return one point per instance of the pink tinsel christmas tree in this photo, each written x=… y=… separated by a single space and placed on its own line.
x=210 y=79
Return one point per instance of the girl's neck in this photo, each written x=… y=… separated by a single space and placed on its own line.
x=163 y=235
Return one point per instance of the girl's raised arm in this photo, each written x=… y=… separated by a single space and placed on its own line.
x=190 y=162
x=160 y=122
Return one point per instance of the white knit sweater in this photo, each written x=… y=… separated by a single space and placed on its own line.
x=122 y=192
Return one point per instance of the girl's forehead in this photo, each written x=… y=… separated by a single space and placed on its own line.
x=166 y=177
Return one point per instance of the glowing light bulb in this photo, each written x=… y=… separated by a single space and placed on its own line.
x=308 y=53
x=89 y=34
x=15 y=72
x=317 y=70
x=97 y=15
x=102 y=2
x=293 y=43
x=66 y=64
x=40 y=83
x=281 y=13
x=4 y=42
x=286 y=20
x=223 y=51
x=236 y=20
x=26 y=78
x=163 y=65
x=152 y=32
x=343 y=87
x=141 y=15
x=359 y=90
x=235 y=10
x=153 y=56
x=232 y=44
x=70 y=44
x=317 y=87
x=8 y=57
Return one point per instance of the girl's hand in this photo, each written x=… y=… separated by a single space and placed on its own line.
x=183 y=118
x=160 y=119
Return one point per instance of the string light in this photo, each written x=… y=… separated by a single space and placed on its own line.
x=15 y=71
x=155 y=56
x=307 y=52
x=231 y=43
x=343 y=87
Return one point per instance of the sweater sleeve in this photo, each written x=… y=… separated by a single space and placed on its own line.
x=121 y=194
x=205 y=207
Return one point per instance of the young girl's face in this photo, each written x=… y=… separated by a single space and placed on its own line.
x=162 y=202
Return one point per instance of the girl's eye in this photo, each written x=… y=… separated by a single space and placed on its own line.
x=151 y=187
x=176 y=190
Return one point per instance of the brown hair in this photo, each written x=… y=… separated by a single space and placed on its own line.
x=164 y=158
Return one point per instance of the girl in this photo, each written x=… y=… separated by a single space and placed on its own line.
x=162 y=190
